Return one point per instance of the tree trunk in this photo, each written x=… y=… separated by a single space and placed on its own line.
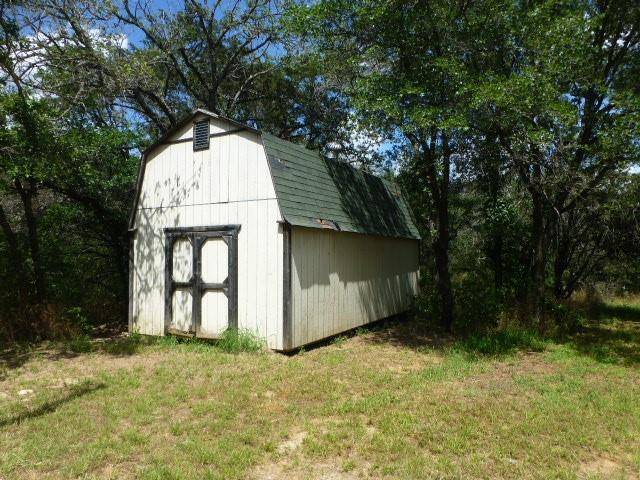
x=26 y=195
x=437 y=169
x=496 y=259
x=537 y=240
x=443 y=277
x=16 y=261
x=443 y=239
x=560 y=262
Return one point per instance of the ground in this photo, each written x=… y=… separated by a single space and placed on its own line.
x=397 y=401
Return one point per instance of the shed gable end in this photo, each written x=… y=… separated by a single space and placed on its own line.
x=182 y=171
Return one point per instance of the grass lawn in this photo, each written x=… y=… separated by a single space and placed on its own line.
x=394 y=402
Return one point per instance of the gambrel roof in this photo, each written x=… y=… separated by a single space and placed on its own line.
x=321 y=193
x=316 y=192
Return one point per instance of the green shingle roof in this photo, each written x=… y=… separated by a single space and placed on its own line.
x=320 y=193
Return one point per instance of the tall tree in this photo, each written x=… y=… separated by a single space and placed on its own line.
x=566 y=112
x=409 y=67
x=23 y=147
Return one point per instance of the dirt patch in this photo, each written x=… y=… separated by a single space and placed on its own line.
x=602 y=467
x=288 y=465
x=292 y=443
x=532 y=364
x=314 y=471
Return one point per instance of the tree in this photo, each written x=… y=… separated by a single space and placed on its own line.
x=409 y=70
x=566 y=112
x=23 y=147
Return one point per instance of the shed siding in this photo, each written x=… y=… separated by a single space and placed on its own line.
x=343 y=280
x=227 y=184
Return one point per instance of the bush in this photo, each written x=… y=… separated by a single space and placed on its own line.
x=77 y=318
x=565 y=320
x=80 y=344
x=126 y=345
x=478 y=304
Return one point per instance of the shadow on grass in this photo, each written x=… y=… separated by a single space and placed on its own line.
x=406 y=331
x=501 y=343
x=609 y=340
x=16 y=355
x=53 y=405
x=399 y=330
x=614 y=343
x=124 y=346
x=417 y=334
x=611 y=333
x=626 y=312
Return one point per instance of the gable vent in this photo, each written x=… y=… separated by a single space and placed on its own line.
x=201 y=135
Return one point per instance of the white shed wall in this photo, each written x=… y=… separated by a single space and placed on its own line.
x=229 y=183
x=343 y=280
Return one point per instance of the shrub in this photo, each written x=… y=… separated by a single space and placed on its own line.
x=76 y=317
x=80 y=344
x=565 y=320
x=427 y=303
x=478 y=304
x=125 y=346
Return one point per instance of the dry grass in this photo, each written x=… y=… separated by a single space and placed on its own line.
x=397 y=402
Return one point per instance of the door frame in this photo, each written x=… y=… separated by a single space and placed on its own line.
x=198 y=236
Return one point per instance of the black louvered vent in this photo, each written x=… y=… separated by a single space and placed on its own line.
x=201 y=135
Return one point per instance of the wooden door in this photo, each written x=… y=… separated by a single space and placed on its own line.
x=201 y=280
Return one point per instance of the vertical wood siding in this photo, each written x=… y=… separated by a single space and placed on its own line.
x=343 y=280
x=227 y=184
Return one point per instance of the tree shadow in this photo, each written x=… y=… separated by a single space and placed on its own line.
x=408 y=331
x=400 y=330
x=15 y=356
x=53 y=405
x=611 y=333
x=621 y=312
x=616 y=342
x=125 y=345
x=417 y=334
x=612 y=342
x=371 y=204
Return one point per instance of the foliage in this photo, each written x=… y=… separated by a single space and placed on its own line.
x=75 y=195
x=80 y=344
x=512 y=127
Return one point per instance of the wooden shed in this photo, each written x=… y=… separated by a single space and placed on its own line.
x=233 y=227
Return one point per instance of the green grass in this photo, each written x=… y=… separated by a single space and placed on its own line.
x=236 y=341
x=397 y=401
x=503 y=342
